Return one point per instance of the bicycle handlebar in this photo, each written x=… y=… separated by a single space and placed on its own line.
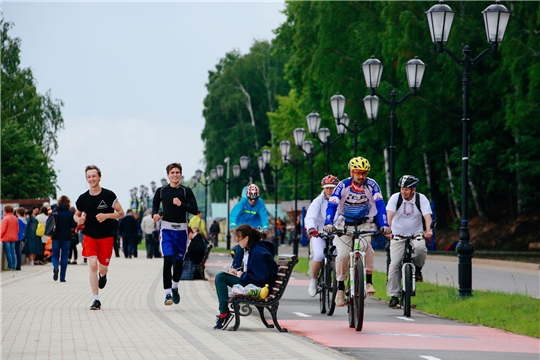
x=408 y=237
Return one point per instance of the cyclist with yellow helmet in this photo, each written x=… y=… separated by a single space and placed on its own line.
x=357 y=199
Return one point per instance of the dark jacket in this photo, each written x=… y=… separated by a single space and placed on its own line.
x=64 y=223
x=261 y=267
x=214 y=228
x=128 y=226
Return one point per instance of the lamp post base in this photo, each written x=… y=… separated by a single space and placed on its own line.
x=295 y=245
x=465 y=251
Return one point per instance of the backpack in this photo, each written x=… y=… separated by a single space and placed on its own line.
x=417 y=203
x=50 y=225
x=196 y=249
x=40 y=230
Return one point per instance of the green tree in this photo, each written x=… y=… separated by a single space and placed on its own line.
x=30 y=122
x=327 y=43
x=241 y=90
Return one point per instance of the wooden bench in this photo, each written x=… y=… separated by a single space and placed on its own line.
x=240 y=304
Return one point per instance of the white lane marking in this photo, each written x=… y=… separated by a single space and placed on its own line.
x=429 y=357
x=404 y=318
x=301 y=314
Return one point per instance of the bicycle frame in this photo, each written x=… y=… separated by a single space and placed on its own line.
x=356 y=254
x=327 y=284
x=355 y=288
x=408 y=279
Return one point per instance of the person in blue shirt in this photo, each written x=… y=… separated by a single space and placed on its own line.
x=61 y=240
x=259 y=269
x=249 y=210
x=355 y=200
x=21 y=212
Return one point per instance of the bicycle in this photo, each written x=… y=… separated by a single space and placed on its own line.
x=326 y=282
x=355 y=288
x=408 y=271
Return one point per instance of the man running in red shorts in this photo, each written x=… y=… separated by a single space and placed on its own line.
x=97 y=211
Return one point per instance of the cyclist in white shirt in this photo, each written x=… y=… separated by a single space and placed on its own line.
x=405 y=212
x=314 y=222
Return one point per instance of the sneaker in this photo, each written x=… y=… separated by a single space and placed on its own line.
x=394 y=302
x=55 y=274
x=96 y=305
x=175 y=296
x=370 y=290
x=223 y=322
x=312 y=290
x=419 y=277
x=168 y=300
x=102 y=281
x=340 y=298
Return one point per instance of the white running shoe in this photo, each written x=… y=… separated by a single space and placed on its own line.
x=370 y=289
x=312 y=290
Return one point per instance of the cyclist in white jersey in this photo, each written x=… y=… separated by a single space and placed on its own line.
x=314 y=221
x=357 y=199
x=405 y=218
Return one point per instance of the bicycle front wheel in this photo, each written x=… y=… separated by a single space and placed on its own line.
x=322 y=290
x=407 y=291
x=350 y=309
x=359 y=294
x=331 y=288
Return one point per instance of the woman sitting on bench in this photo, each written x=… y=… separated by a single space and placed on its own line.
x=259 y=269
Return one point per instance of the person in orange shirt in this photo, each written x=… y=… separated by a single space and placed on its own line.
x=9 y=235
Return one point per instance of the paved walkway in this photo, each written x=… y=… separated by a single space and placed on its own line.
x=46 y=319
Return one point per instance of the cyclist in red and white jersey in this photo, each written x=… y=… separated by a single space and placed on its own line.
x=314 y=222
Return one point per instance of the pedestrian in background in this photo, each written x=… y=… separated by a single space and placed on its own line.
x=198 y=222
x=148 y=226
x=72 y=258
x=128 y=229
x=33 y=247
x=42 y=216
x=61 y=240
x=21 y=212
x=9 y=229
x=214 y=233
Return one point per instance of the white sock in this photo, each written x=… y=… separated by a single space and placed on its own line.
x=313 y=282
x=175 y=285
x=96 y=297
x=168 y=291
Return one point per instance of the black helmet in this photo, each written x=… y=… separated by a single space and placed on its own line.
x=408 y=181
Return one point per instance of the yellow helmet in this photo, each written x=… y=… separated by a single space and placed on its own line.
x=359 y=163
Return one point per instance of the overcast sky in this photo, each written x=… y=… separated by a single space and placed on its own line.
x=132 y=78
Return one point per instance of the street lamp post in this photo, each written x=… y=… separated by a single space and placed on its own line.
x=323 y=135
x=244 y=165
x=266 y=155
x=285 y=148
x=206 y=184
x=372 y=74
x=236 y=173
x=342 y=120
x=440 y=19
x=307 y=148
